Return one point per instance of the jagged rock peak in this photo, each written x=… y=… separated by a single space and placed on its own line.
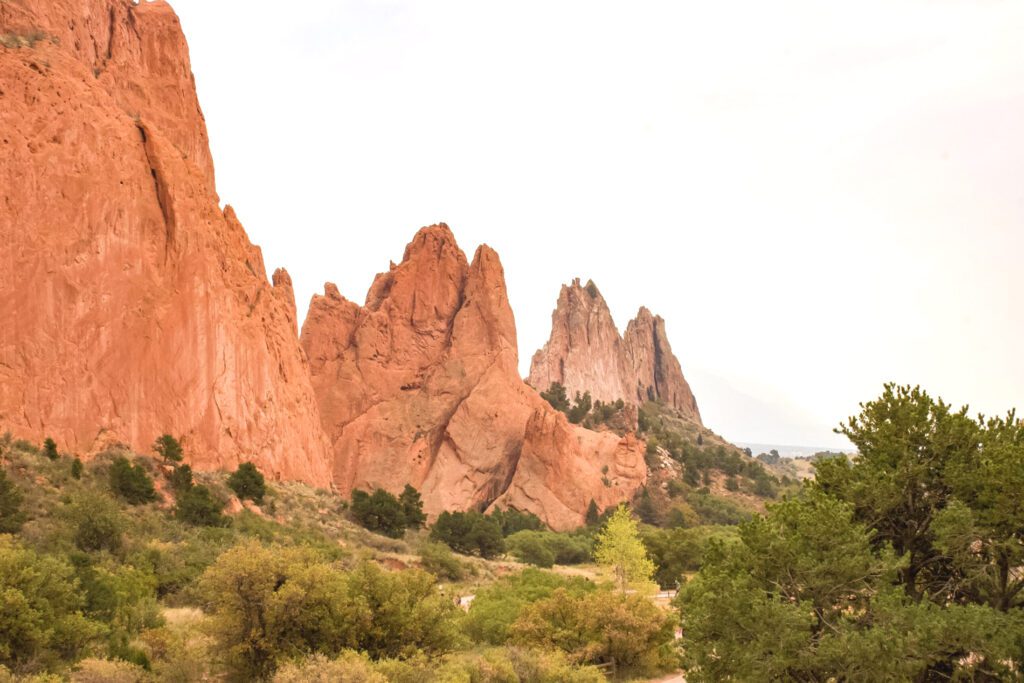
x=586 y=353
x=132 y=305
x=420 y=385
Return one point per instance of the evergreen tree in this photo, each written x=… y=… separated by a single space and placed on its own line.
x=412 y=507
x=593 y=514
x=556 y=396
x=180 y=479
x=11 y=515
x=379 y=512
x=131 y=482
x=619 y=546
x=248 y=482
x=199 y=506
x=169 y=448
x=50 y=449
x=77 y=468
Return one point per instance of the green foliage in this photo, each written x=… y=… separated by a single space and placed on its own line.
x=169 y=448
x=580 y=407
x=131 y=482
x=438 y=559
x=95 y=521
x=593 y=517
x=199 y=506
x=412 y=507
x=619 y=546
x=601 y=626
x=50 y=449
x=512 y=520
x=530 y=547
x=713 y=510
x=678 y=551
x=808 y=595
x=379 y=512
x=77 y=468
x=180 y=479
x=40 y=607
x=12 y=517
x=556 y=396
x=248 y=483
x=497 y=606
x=469 y=533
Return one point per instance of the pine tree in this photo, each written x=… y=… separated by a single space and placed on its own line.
x=169 y=448
x=11 y=515
x=412 y=507
x=76 y=468
x=50 y=449
x=593 y=514
x=619 y=546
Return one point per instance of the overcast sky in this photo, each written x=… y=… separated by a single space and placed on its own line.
x=818 y=197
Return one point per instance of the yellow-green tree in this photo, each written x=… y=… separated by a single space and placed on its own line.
x=619 y=546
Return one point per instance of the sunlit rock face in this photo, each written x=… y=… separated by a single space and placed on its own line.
x=420 y=385
x=586 y=353
x=131 y=303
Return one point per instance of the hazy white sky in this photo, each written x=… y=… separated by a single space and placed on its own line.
x=817 y=196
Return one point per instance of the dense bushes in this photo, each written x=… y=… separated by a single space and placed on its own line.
x=248 y=483
x=11 y=514
x=545 y=548
x=131 y=482
x=499 y=605
x=601 y=626
x=269 y=604
x=469 y=533
x=40 y=607
x=200 y=506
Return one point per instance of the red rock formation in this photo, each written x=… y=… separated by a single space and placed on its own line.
x=586 y=353
x=420 y=385
x=131 y=305
x=655 y=368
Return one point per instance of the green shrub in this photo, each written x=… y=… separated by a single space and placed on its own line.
x=77 y=468
x=180 y=479
x=469 y=533
x=199 y=506
x=437 y=558
x=95 y=521
x=512 y=520
x=599 y=627
x=11 y=515
x=497 y=606
x=131 y=482
x=50 y=449
x=529 y=547
x=248 y=483
x=40 y=607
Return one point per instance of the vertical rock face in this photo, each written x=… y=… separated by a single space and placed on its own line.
x=420 y=385
x=586 y=353
x=131 y=305
x=656 y=369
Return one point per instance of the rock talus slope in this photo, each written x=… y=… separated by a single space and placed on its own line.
x=131 y=304
x=586 y=353
x=420 y=385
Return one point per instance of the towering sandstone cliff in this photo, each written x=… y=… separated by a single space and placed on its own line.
x=586 y=353
x=420 y=385
x=130 y=304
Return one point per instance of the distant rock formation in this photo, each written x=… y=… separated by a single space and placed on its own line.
x=586 y=353
x=131 y=304
x=420 y=385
